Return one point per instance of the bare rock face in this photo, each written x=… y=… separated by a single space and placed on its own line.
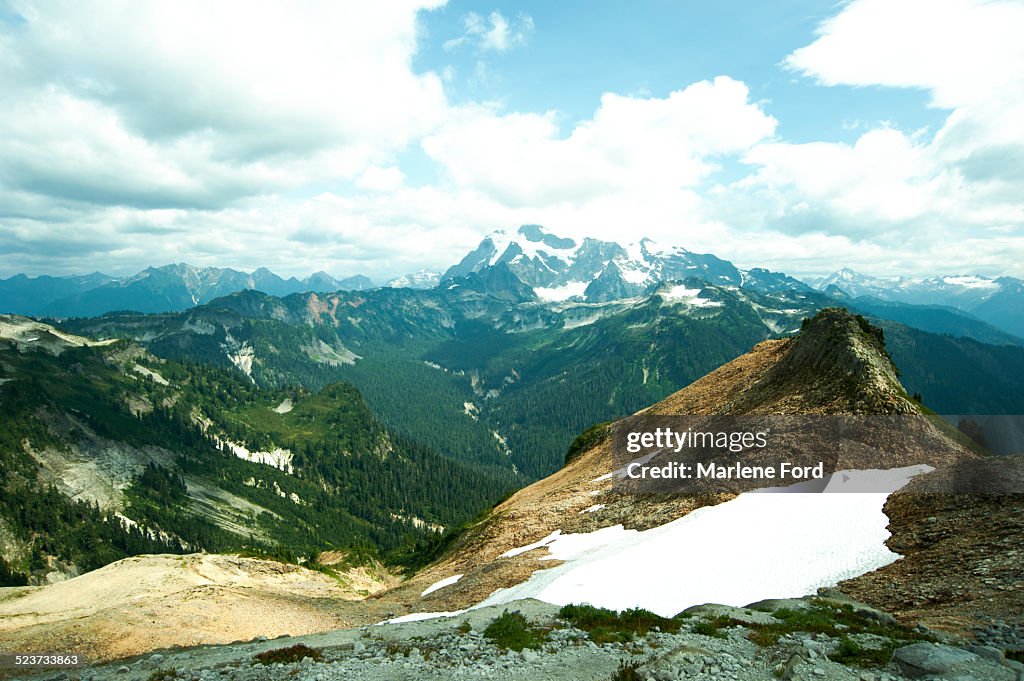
x=928 y=659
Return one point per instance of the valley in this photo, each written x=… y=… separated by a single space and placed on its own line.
x=351 y=454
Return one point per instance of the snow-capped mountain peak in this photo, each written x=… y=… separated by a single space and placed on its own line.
x=422 y=279
x=559 y=268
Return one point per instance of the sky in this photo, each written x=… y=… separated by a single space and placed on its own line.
x=383 y=138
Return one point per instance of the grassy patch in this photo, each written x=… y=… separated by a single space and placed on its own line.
x=511 y=631
x=287 y=655
x=853 y=653
x=714 y=626
x=838 y=622
x=609 y=626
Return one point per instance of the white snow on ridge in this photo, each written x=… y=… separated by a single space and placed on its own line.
x=971 y=282
x=440 y=584
x=690 y=296
x=756 y=546
x=280 y=459
x=531 y=249
x=563 y=292
x=635 y=275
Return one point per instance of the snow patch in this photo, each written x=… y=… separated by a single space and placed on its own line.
x=563 y=292
x=635 y=275
x=756 y=546
x=689 y=296
x=420 y=616
x=535 y=545
x=531 y=249
x=592 y=509
x=280 y=459
x=285 y=406
x=971 y=282
x=447 y=581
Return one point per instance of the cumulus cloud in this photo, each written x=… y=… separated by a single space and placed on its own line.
x=193 y=103
x=378 y=179
x=630 y=144
x=493 y=33
x=962 y=51
x=923 y=191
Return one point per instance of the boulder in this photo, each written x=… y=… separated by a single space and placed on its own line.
x=926 y=659
x=744 y=615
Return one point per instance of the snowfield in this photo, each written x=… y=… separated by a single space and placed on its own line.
x=771 y=543
x=759 y=545
x=689 y=296
x=563 y=292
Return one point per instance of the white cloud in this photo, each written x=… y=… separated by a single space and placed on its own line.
x=200 y=103
x=630 y=145
x=493 y=33
x=915 y=193
x=378 y=179
x=963 y=51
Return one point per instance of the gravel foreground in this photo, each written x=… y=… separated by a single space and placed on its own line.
x=455 y=647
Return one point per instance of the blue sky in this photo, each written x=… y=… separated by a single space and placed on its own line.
x=383 y=138
x=576 y=53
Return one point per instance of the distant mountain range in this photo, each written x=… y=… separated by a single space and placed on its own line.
x=996 y=300
x=169 y=288
x=534 y=265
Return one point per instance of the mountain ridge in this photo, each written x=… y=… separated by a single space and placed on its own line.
x=167 y=288
x=996 y=300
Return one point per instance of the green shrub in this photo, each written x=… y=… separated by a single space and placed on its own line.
x=609 y=626
x=511 y=631
x=851 y=652
x=713 y=627
x=587 y=440
x=287 y=655
x=837 y=622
